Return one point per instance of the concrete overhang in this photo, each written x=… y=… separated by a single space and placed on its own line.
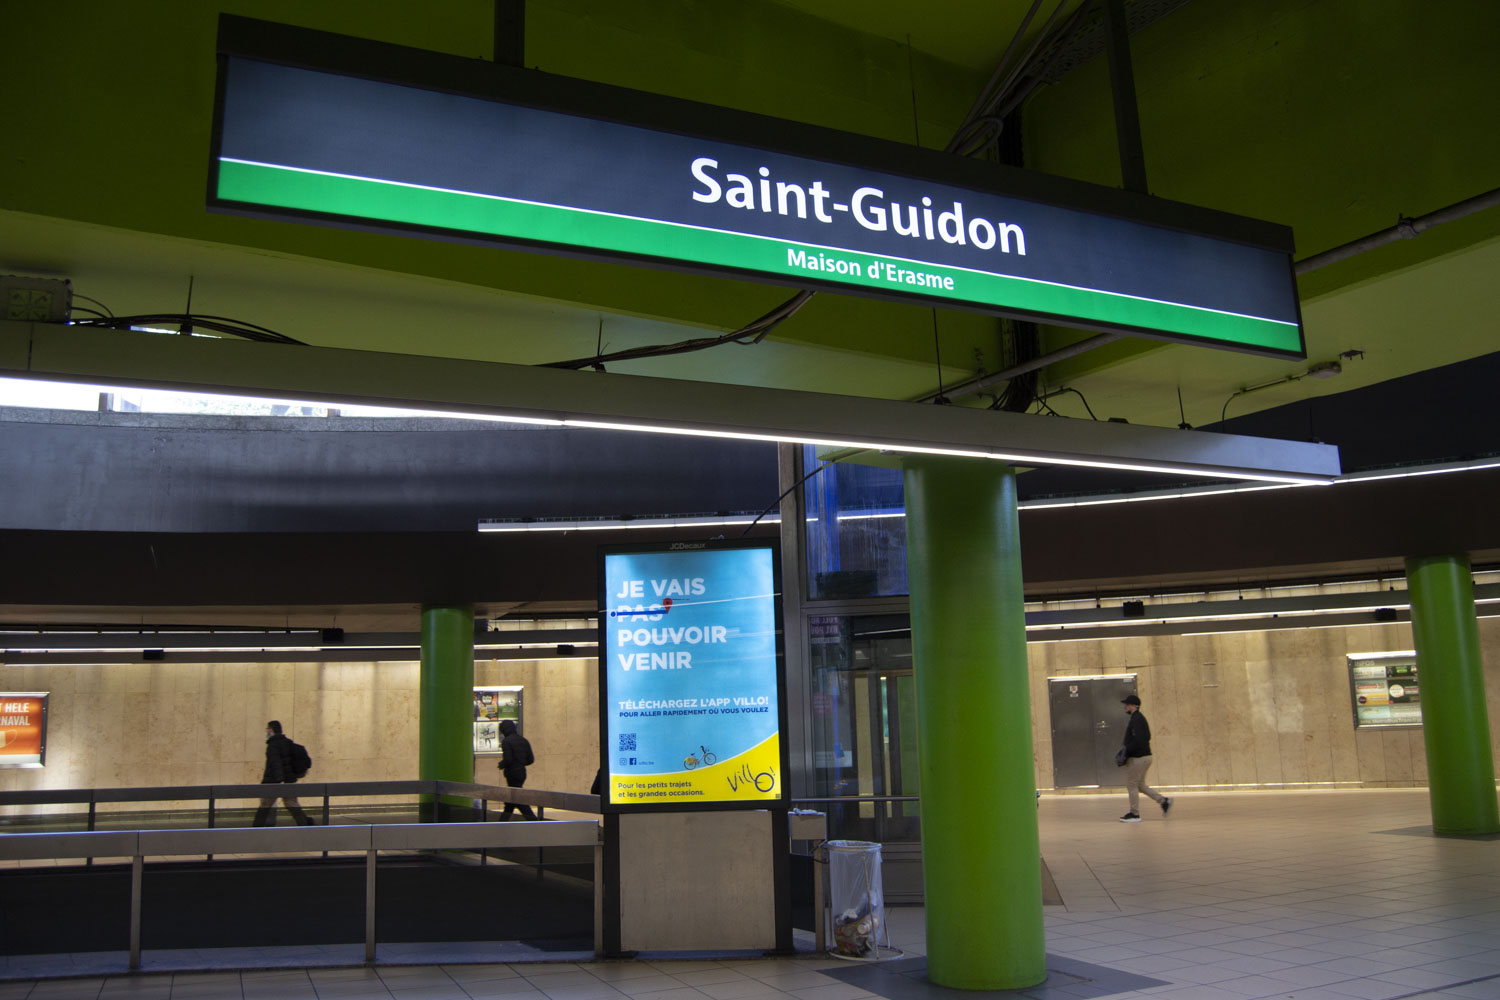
x=639 y=403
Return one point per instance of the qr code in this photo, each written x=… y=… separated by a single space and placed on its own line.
x=627 y=741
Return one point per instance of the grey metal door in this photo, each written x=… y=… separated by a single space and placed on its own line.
x=1088 y=724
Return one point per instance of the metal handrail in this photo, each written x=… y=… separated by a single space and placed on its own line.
x=859 y=798
x=212 y=794
x=371 y=839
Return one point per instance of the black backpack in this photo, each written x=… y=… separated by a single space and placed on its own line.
x=298 y=763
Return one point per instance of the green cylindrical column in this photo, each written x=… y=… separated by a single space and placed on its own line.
x=445 y=744
x=981 y=859
x=1450 y=672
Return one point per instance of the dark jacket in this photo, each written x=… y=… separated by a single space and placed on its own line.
x=278 y=761
x=515 y=753
x=1137 y=736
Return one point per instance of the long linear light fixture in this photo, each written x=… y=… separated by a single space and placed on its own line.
x=605 y=401
x=37 y=647
x=893 y=513
x=503 y=525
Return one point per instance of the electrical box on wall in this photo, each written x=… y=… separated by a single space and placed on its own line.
x=36 y=300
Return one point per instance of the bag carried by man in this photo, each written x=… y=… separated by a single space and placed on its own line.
x=298 y=763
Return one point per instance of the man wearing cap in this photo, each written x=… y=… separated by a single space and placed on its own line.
x=1138 y=762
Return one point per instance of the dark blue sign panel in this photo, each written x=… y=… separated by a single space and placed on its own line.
x=691 y=682
x=311 y=143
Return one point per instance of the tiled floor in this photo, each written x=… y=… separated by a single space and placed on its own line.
x=1299 y=895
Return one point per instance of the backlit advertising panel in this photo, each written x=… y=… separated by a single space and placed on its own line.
x=1384 y=690
x=692 y=698
x=562 y=166
x=23 y=728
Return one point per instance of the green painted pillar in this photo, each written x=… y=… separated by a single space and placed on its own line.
x=445 y=744
x=1450 y=675
x=981 y=859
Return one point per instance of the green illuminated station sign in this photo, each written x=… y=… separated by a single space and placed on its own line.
x=335 y=130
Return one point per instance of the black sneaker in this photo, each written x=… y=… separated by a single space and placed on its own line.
x=1166 y=805
x=1130 y=818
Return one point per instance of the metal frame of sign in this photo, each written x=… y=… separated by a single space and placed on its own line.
x=752 y=204
x=607 y=707
x=46 y=698
x=1365 y=659
x=520 y=718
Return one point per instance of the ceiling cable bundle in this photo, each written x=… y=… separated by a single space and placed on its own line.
x=187 y=324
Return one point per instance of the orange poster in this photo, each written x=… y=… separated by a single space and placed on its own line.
x=23 y=728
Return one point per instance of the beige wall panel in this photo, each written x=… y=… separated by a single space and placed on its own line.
x=1369 y=747
x=1417 y=746
x=1293 y=747
x=1397 y=749
x=1163 y=714
x=134 y=749
x=1088 y=657
x=1268 y=758
x=1260 y=696
x=1193 y=745
x=1243 y=769
x=1287 y=693
x=1319 y=756
x=670 y=902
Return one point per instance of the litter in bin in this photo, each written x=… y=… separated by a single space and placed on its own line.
x=854 y=931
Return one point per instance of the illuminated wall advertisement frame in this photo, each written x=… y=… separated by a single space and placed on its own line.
x=1384 y=691
x=492 y=706
x=692 y=678
x=23 y=728
x=316 y=127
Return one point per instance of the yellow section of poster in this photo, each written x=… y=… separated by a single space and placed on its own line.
x=754 y=775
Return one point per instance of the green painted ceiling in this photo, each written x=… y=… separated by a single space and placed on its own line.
x=1333 y=118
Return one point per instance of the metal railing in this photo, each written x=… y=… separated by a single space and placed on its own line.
x=215 y=795
x=369 y=839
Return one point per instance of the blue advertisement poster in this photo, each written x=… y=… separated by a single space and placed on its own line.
x=690 y=677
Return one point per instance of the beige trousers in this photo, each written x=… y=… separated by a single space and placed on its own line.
x=1135 y=783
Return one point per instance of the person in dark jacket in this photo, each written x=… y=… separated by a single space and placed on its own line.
x=1138 y=762
x=278 y=772
x=515 y=754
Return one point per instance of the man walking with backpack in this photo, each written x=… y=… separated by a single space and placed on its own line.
x=515 y=754
x=285 y=763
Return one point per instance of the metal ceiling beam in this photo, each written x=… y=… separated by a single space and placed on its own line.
x=639 y=403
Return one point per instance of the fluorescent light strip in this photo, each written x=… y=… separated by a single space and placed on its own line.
x=577 y=643
x=282 y=649
x=1436 y=470
x=633 y=523
x=1153 y=495
x=1348 y=625
x=1189 y=494
x=823 y=247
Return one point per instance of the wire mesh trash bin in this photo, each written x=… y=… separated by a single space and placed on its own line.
x=858 y=901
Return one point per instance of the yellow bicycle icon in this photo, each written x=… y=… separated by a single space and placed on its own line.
x=691 y=762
